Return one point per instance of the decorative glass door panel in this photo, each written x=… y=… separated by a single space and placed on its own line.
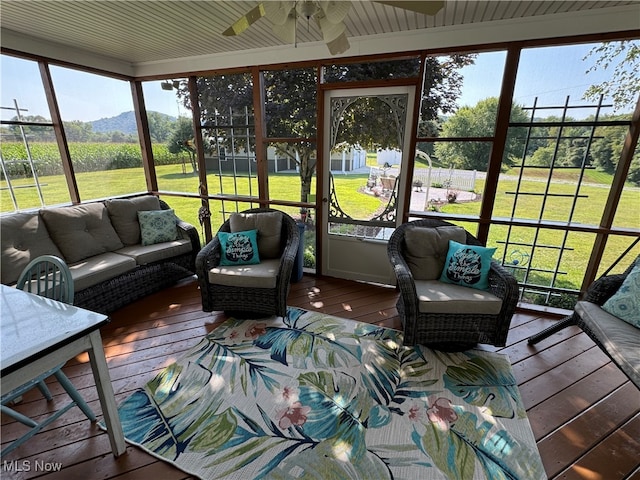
x=365 y=149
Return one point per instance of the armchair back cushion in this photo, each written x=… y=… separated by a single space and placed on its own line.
x=269 y=227
x=24 y=237
x=124 y=216
x=81 y=231
x=426 y=249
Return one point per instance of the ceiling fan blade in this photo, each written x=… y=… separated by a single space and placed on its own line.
x=333 y=34
x=253 y=15
x=278 y=12
x=335 y=11
x=430 y=7
x=339 y=45
x=287 y=31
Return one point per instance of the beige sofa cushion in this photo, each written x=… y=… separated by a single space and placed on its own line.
x=269 y=226
x=426 y=249
x=260 y=275
x=99 y=268
x=620 y=339
x=439 y=297
x=144 y=255
x=81 y=231
x=124 y=216
x=24 y=237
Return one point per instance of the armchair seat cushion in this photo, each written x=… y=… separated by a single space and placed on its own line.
x=439 y=297
x=146 y=254
x=260 y=275
x=619 y=339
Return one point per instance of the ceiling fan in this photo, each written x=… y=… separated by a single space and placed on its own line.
x=330 y=15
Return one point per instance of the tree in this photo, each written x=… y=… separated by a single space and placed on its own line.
x=479 y=121
x=290 y=105
x=160 y=127
x=624 y=57
x=181 y=141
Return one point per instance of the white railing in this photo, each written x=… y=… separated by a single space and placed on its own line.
x=447 y=178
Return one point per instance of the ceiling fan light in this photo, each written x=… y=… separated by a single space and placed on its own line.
x=307 y=8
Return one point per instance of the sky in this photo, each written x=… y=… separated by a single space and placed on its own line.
x=549 y=73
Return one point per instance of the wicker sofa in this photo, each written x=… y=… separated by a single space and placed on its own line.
x=101 y=242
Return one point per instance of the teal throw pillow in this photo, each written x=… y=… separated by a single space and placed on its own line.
x=625 y=303
x=467 y=265
x=157 y=226
x=239 y=248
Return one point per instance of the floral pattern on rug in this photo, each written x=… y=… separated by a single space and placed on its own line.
x=318 y=397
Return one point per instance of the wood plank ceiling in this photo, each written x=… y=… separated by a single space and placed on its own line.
x=151 y=31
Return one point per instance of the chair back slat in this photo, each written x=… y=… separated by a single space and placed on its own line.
x=48 y=276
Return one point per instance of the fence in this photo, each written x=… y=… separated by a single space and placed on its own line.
x=447 y=177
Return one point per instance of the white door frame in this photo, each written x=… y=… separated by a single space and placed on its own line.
x=350 y=257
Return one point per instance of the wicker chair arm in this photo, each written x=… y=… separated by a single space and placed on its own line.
x=208 y=257
x=504 y=286
x=404 y=277
x=289 y=253
x=501 y=282
x=604 y=287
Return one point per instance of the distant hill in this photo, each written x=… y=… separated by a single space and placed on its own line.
x=125 y=123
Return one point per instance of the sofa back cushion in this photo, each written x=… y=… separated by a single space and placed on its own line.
x=24 y=237
x=427 y=247
x=269 y=227
x=81 y=231
x=124 y=216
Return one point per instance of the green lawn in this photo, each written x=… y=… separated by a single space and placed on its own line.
x=97 y=185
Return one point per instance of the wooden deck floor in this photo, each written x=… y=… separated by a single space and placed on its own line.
x=583 y=411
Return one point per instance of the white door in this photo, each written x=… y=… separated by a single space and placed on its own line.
x=363 y=185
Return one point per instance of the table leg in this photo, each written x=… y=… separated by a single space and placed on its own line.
x=106 y=395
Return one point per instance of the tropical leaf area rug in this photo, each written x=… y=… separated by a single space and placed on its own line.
x=314 y=396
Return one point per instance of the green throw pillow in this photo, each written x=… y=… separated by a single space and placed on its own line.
x=239 y=248
x=625 y=303
x=157 y=226
x=467 y=265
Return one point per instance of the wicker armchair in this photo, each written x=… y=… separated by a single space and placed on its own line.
x=455 y=328
x=619 y=340
x=249 y=290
